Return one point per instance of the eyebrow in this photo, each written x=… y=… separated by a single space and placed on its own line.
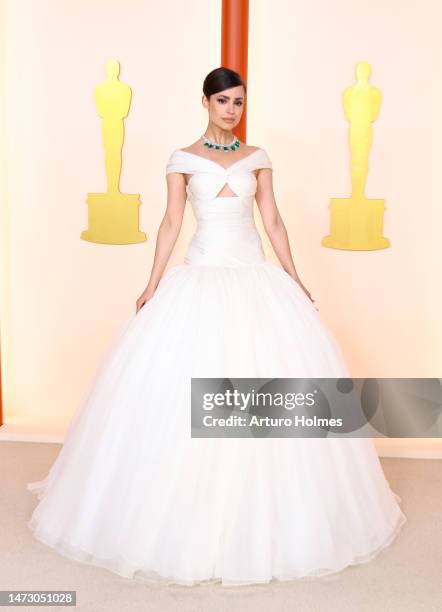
x=228 y=97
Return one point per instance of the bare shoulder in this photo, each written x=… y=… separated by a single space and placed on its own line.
x=251 y=148
x=195 y=147
x=248 y=148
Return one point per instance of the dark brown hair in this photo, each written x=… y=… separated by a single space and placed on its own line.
x=221 y=78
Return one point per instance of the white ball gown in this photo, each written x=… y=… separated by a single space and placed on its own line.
x=132 y=492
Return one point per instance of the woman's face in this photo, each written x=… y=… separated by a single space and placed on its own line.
x=226 y=107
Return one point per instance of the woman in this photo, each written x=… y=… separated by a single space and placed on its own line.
x=131 y=490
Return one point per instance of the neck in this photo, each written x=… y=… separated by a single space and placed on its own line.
x=218 y=134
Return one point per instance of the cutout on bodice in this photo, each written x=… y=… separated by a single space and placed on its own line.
x=225 y=192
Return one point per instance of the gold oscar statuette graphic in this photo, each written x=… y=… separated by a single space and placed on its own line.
x=356 y=223
x=113 y=216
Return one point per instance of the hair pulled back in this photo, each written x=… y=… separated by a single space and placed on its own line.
x=220 y=79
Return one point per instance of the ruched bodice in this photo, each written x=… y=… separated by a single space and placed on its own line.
x=226 y=233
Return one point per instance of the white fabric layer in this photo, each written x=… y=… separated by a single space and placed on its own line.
x=130 y=491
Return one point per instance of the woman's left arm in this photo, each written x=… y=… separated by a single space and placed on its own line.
x=274 y=225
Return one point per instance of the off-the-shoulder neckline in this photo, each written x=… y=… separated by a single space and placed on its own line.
x=211 y=161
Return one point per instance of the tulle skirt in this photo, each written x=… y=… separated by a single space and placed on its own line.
x=132 y=492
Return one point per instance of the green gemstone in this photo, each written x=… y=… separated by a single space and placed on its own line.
x=226 y=148
x=217 y=147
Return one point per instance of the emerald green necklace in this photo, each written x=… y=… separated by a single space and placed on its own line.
x=210 y=144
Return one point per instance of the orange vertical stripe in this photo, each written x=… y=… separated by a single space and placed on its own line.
x=234 y=47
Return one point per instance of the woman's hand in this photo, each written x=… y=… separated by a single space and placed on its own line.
x=306 y=291
x=144 y=297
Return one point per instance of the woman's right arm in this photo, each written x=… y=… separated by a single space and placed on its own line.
x=167 y=233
